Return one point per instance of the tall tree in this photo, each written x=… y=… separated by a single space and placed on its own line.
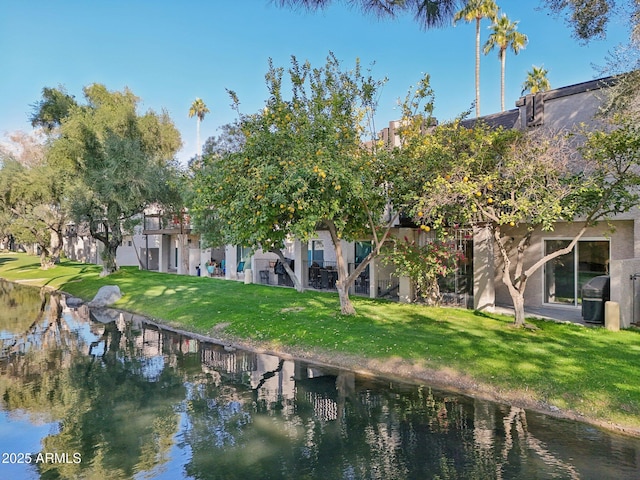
x=32 y=207
x=477 y=10
x=199 y=110
x=536 y=81
x=518 y=184
x=121 y=162
x=304 y=166
x=504 y=36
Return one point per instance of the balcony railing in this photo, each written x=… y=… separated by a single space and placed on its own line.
x=166 y=223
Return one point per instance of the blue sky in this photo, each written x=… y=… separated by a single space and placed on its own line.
x=170 y=52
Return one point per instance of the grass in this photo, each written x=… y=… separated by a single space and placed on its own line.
x=590 y=371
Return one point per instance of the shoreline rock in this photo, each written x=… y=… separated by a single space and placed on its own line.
x=107 y=295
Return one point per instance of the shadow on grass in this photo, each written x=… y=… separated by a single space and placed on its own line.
x=6 y=260
x=583 y=369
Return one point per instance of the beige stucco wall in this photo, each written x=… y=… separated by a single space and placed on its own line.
x=565 y=110
x=625 y=289
x=621 y=247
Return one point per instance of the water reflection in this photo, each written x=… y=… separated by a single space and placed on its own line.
x=135 y=401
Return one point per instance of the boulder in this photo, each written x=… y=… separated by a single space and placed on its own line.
x=107 y=295
x=74 y=302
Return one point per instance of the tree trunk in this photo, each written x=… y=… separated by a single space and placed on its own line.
x=432 y=296
x=503 y=58
x=346 y=307
x=516 y=292
x=198 y=149
x=344 y=282
x=297 y=284
x=109 y=259
x=518 y=309
x=45 y=258
x=183 y=244
x=111 y=238
x=55 y=245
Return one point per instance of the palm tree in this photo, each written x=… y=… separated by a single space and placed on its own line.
x=504 y=35
x=477 y=10
x=199 y=110
x=536 y=81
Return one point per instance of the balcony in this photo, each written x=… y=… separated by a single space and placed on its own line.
x=166 y=224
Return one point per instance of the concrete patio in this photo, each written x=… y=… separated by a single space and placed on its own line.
x=560 y=314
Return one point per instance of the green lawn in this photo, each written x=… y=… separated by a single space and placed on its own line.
x=587 y=370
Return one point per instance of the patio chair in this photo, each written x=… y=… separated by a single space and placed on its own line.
x=324 y=278
x=314 y=277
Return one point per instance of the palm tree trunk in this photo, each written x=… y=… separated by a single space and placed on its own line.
x=198 y=153
x=477 y=68
x=503 y=58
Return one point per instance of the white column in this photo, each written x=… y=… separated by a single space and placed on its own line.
x=484 y=295
x=373 y=278
x=183 y=254
x=231 y=262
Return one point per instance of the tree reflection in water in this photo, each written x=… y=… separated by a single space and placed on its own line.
x=106 y=408
x=135 y=400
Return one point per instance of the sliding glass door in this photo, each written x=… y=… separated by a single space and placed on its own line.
x=565 y=275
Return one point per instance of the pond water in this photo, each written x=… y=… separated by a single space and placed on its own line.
x=122 y=399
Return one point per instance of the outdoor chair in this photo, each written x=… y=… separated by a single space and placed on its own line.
x=314 y=277
x=240 y=270
x=362 y=283
x=324 y=279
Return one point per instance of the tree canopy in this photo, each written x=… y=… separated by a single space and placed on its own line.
x=588 y=19
x=32 y=208
x=99 y=142
x=516 y=183
x=536 y=81
x=52 y=108
x=303 y=166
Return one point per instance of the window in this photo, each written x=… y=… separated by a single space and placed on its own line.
x=362 y=250
x=242 y=254
x=566 y=275
x=316 y=252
